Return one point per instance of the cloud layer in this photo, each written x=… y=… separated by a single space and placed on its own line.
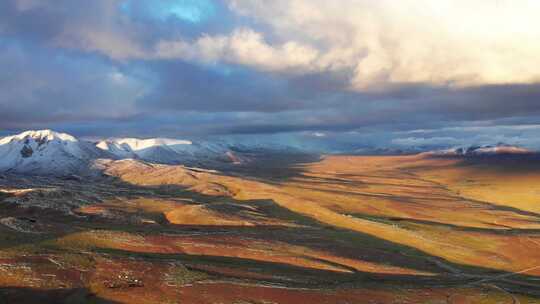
x=386 y=42
x=360 y=72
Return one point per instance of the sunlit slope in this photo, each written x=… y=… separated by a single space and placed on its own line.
x=505 y=183
x=343 y=229
x=387 y=198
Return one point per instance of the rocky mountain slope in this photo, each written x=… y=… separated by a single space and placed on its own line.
x=47 y=152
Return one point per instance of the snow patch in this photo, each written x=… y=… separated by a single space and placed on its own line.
x=500 y=149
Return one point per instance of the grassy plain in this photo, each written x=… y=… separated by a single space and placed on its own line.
x=344 y=229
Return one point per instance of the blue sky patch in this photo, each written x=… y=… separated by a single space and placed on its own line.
x=193 y=11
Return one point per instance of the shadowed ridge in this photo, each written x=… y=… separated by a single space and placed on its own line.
x=19 y=295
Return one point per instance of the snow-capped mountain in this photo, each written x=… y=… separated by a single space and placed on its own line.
x=168 y=151
x=139 y=148
x=499 y=149
x=47 y=152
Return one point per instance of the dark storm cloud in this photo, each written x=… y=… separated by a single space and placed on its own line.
x=91 y=67
x=46 y=21
x=183 y=87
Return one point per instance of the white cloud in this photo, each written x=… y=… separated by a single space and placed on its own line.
x=384 y=42
x=243 y=46
x=319 y=134
x=378 y=43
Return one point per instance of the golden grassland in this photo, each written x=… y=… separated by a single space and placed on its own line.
x=405 y=194
x=346 y=229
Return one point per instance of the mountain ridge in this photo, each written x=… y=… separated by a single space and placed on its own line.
x=484 y=150
x=48 y=152
x=44 y=152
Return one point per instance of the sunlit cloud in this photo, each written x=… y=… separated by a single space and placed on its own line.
x=458 y=43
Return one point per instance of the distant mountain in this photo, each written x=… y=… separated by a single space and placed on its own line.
x=47 y=152
x=169 y=151
x=499 y=149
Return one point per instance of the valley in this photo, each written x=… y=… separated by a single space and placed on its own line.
x=340 y=229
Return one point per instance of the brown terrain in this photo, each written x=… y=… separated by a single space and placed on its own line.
x=342 y=229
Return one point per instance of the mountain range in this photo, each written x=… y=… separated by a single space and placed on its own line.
x=167 y=151
x=483 y=151
x=46 y=152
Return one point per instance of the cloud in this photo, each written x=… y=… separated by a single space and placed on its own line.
x=360 y=72
x=382 y=44
x=47 y=87
x=468 y=134
x=245 y=47
x=389 y=42
x=426 y=141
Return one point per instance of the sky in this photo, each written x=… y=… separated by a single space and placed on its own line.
x=343 y=74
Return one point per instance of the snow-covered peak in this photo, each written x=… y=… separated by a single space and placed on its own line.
x=46 y=152
x=500 y=149
x=166 y=150
x=39 y=136
x=135 y=144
